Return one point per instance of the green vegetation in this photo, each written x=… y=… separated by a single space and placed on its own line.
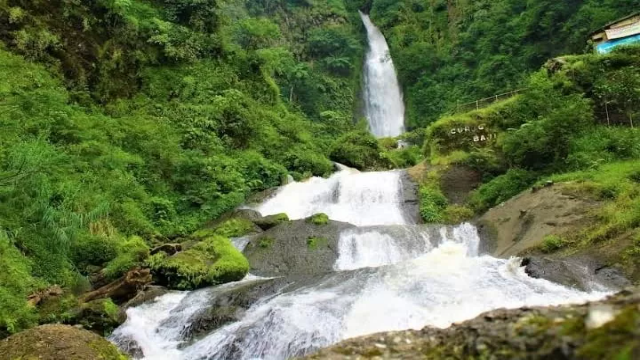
x=453 y=52
x=319 y=219
x=315 y=243
x=212 y=261
x=551 y=243
x=235 y=228
x=129 y=123
x=361 y=150
x=266 y=242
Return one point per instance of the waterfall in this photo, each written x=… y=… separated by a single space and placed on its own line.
x=350 y=196
x=384 y=107
x=390 y=274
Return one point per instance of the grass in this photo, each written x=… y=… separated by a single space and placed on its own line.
x=615 y=185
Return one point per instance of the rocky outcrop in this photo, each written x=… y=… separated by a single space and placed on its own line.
x=581 y=272
x=295 y=247
x=521 y=224
x=410 y=200
x=58 y=342
x=608 y=329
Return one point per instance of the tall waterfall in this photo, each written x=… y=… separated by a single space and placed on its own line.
x=384 y=107
x=388 y=277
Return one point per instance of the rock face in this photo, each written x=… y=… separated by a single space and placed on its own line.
x=58 y=342
x=411 y=203
x=584 y=273
x=295 y=247
x=609 y=329
x=522 y=223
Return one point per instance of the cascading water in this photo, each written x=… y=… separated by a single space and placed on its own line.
x=387 y=278
x=384 y=106
x=389 y=275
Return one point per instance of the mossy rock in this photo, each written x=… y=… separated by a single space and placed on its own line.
x=236 y=227
x=319 y=219
x=101 y=316
x=271 y=221
x=58 y=342
x=212 y=261
x=315 y=243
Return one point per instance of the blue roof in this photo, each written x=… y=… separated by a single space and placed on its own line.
x=607 y=47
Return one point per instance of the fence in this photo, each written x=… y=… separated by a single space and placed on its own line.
x=482 y=103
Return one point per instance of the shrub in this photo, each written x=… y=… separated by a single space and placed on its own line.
x=456 y=214
x=91 y=250
x=15 y=284
x=432 y=204
x=551 y=243
x=359 y=149
x=131 y=253
x=501 y=189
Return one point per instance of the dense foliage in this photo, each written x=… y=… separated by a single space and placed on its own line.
x=128 y=123
x=480 y=48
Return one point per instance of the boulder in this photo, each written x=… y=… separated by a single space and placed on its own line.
x=582 y=273
x=212 y=261
x=295 y=248
x=58 y=342
x=608 y=329
x=148 y=293
x=101 y=316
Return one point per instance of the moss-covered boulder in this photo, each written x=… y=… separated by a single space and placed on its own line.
x=319 y=219
x=211 y=261
x=100 y=316
x=271 y=221
x=58 y=342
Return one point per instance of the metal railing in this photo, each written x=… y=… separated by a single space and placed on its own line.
x=482 y=103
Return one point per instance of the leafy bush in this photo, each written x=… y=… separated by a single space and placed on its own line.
x=432 y=204
x=15 y=284
x=91 y=250
x=361 y=150
x=501 y=189
x=551 y=243
x=131 y=253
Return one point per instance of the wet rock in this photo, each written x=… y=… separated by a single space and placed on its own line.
x=411 y=203
x=286 y=249
x=58 y=342
x=600 y=330
x=51 y=292
x=148 y=293
x=583 y=273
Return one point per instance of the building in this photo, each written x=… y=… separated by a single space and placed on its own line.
x=624 y=31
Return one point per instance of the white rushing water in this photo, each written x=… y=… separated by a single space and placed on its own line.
x=384 y=106
x=350 y=196
x=389 y=274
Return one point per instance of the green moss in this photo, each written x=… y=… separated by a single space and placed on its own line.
x=319 y=219
x=315 y=243
x=266 y=242
x=131 y=253
x=234 y=228
x=212 y=261
x=101 y=316
x=455 y=214
x=617 y=339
